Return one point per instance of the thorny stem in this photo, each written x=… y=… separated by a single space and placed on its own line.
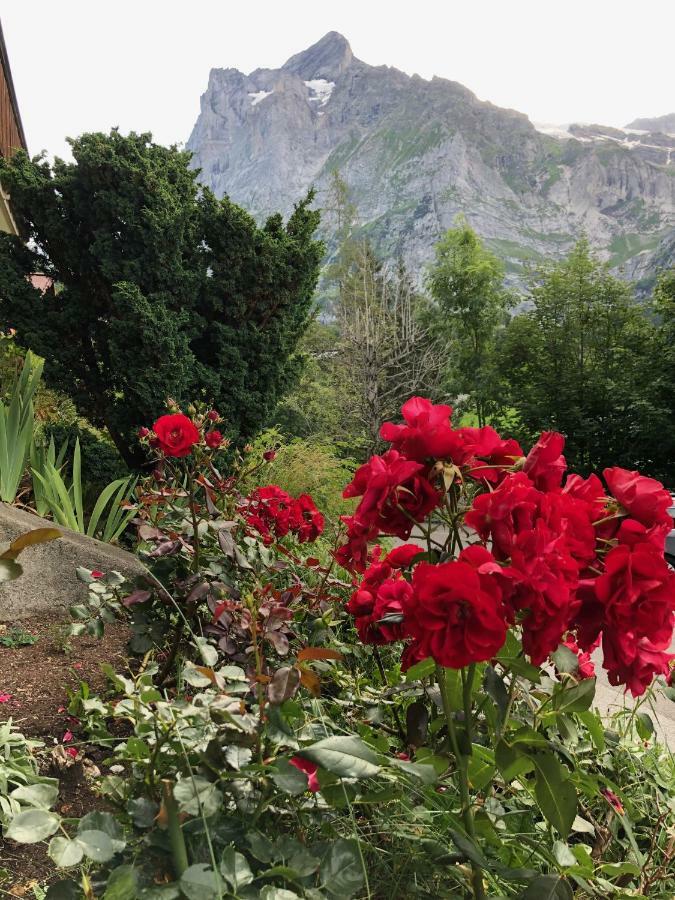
x=462 y=764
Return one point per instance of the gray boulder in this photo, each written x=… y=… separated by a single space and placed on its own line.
x=49 y=583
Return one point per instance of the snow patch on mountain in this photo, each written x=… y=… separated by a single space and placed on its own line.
x=320 y=90
x=258 y=96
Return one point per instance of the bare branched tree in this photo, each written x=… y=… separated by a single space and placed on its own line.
x=386 y=354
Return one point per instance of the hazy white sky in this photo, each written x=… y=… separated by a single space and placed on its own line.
x=82 y=65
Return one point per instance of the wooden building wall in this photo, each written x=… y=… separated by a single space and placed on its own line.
x=11 y=131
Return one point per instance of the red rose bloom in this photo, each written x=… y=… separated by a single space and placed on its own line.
x=176 y=434
x=353 y=554
x=545 y=464
x=505 y=512
x=213 y=439
x=378 y=608
x=637 y=593
x=645 y=500
x=427 y=433
x=546 y=589
x=633 y=661
x=310 y=770
x=305 y=519
x=268 y=510
x=395 y=494
x=491 y=455
x=413 y=652
x=402 y=557
x=455 y=614
x=586 y=667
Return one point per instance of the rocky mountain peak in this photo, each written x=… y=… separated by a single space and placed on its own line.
x=327 y=59
x=415 y=153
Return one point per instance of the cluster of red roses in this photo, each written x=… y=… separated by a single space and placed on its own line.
x=274 y=513
x=176 y=434
x=563 y=559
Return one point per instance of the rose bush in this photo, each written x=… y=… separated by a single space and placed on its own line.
x=375 y=720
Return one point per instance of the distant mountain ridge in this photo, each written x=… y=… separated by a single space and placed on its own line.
x=415 y=153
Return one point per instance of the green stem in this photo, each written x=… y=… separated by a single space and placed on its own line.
x=462 y=763
x=176 y=839
x=195 y=523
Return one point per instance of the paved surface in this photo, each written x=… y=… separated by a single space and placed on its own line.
x=49 y=581
x=609 y=699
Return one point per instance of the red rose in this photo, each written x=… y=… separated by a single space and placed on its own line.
x=395 y=493
x=403 y=556
x=353 y=554
x=413 y=653
x=573 y=517
x=545 y=464
x=491 y=455
x=455 y=614
x=268 y=510
x=586 y=666
x=269 y=455
x=545 y=591
x=502 y=514
x=645 y=500
x=305 y=519
x=213 y=439
x=310 y=770
x=176 y=434
x=637 y=593
x=372 y=604
x=427 y=433
x=633 y=661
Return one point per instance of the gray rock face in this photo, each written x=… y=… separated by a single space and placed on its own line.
x=49 y=583
x=662 y=124
x=415 y=153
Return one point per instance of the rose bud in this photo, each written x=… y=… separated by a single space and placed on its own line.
x=248 y=448
x=213 y=439
x=143 y=432
x=212 y=415
x=269 y=455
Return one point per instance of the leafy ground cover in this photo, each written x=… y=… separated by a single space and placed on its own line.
x=36 y=680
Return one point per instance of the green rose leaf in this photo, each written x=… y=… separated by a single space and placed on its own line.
x=347 y=757
x=122 y=884
x=342 y=869
x=481 y=767
x=64 y=852
x=235 y=869
x=566 y=660
x=200 y=882
x=96 y=844
x=238 y=756
x=269 y=892
x=41 y=796
x=196 y=796
x=104 y=821
x=32 y=826
x=548 y=887
x=288 y=778
x=577 y=698
x=555 y=795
